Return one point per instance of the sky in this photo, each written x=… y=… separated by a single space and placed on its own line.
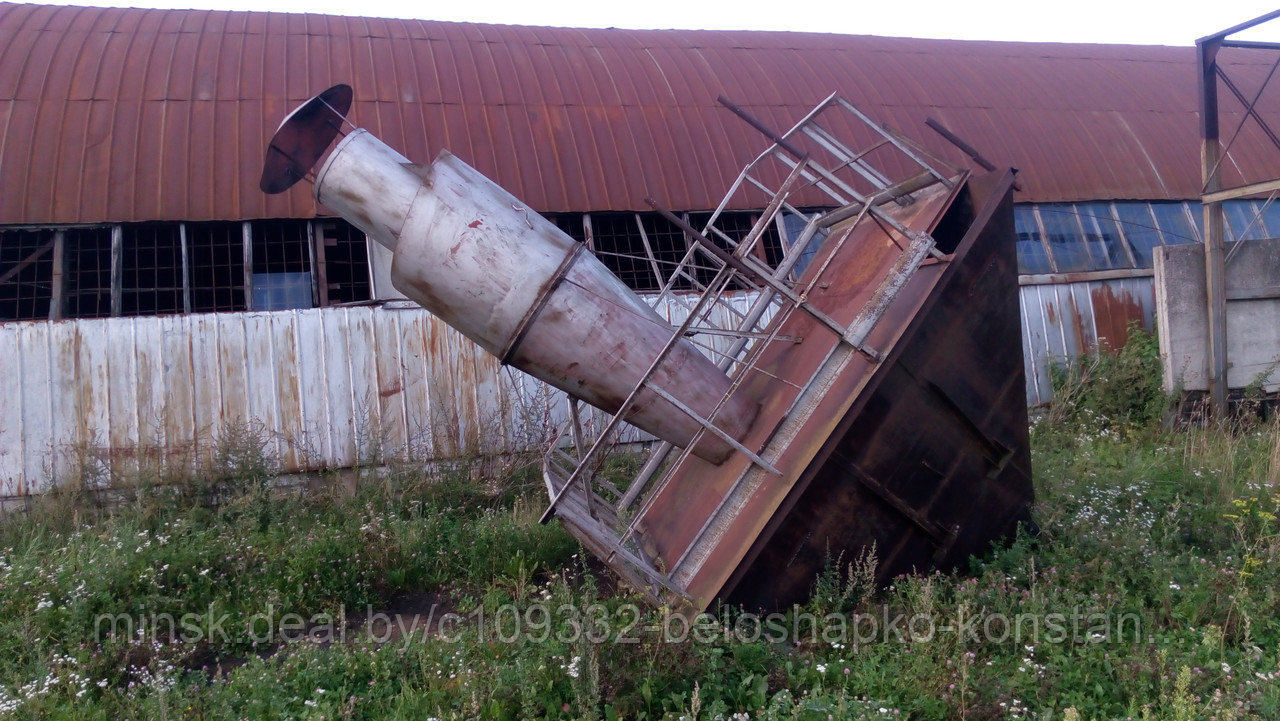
x=1080 y=21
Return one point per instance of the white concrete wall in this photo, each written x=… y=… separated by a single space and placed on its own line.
x=1253 y=318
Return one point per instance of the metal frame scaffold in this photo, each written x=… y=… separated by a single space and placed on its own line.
x=836 y=166
x=1213 y=154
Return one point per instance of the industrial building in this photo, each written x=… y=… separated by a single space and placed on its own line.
x=131 y=141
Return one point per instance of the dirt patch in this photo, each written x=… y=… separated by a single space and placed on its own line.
x=417 y=615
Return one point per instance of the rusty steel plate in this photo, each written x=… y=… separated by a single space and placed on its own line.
x=918 y=447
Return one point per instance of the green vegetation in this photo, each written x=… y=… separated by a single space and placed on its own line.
x=1151 y=592
x=1120 y=390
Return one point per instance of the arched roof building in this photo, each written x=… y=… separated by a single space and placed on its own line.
x=131 y=143
x=128 y=115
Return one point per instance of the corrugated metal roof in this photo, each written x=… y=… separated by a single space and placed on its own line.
x=128 y=114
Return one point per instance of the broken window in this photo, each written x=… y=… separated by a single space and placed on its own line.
x=1271 y=216
x=669 y=246
x=645 y=249
x=281 y=266
x=342 y=260
x=1066 y=240
x=1083 y=237
x=1243 y=222
x=1175 y=224
x=1140 y=230
x=1103 y=234
x=88 y=272
x=570 y=223
x=215 y=255
x=733 y=228
x=156 y=268
x=793 y=227
x=151 y=269
x=26 y=274
x=619 y=245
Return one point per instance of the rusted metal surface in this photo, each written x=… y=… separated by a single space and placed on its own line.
x=104 y=112
x=1064 y=321
x=889 y=415
x=688 y=525
x=930 y=463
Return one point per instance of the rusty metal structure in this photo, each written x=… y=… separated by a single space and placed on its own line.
x=106 y=110
x=887 y=420
x=860 y=400
x=1215 y=158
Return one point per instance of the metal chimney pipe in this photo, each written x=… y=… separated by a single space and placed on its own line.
x=514 y=283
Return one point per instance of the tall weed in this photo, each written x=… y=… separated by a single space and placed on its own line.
x=1116 y=390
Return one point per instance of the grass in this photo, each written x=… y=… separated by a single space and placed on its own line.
x=1152 y=591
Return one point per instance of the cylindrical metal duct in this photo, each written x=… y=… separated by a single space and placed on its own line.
x=478 y=258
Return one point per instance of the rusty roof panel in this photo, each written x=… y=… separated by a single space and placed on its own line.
x=568 y=119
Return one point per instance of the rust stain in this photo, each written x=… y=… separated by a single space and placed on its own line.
x=1049 y=313
x=85 y=405
x=1077 y=328
x=1113 y=312
x=591 y=170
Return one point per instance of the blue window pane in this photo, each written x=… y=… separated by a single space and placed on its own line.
x=1031 y=256
x=1242 y=220
x=1271 y=216
x=1102 y=234
x=1139 y=229
x=1197 y=217
x=1174 y=226
x=793 y=226
x=1066 y=240
x=281 y=291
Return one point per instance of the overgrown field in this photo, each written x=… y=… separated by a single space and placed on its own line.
x=1150 y=591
